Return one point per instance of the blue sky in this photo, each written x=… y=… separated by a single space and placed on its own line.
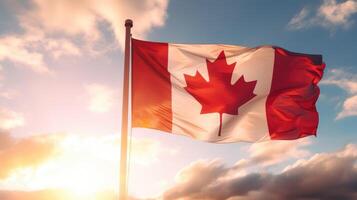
x=61 y=78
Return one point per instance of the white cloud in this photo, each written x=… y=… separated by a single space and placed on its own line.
x=83 y=17
x=273 y=152
x=268 y=153
x=348 y=82
x=330 y=14
x=337 y=13
x=10 y=119
x=350 y=150
x=62 y=47
x=298 y=21
x=349 y=108
x=51 y=27
x=101 y=97
x=16 y=49
x=345 y=80
x=30 y=50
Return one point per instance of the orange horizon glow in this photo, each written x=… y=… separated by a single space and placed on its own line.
x=80 y=167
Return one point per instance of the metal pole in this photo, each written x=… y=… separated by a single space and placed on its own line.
x=123 y=192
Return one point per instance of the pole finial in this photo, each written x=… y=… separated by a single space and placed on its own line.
x=128 y=23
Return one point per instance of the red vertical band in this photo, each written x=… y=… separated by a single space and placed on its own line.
x=290 y=107
x=151 y=86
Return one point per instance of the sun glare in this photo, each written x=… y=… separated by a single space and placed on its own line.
x=81 y=165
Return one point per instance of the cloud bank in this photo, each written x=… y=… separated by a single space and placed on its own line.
x=323 y=176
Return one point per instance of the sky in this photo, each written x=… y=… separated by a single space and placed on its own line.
x=61 y=74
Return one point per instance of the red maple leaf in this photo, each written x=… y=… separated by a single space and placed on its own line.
x=218 y=95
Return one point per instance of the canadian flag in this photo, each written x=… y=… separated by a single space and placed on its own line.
x=225 y=93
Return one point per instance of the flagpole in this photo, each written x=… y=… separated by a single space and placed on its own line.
x=123 y=191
